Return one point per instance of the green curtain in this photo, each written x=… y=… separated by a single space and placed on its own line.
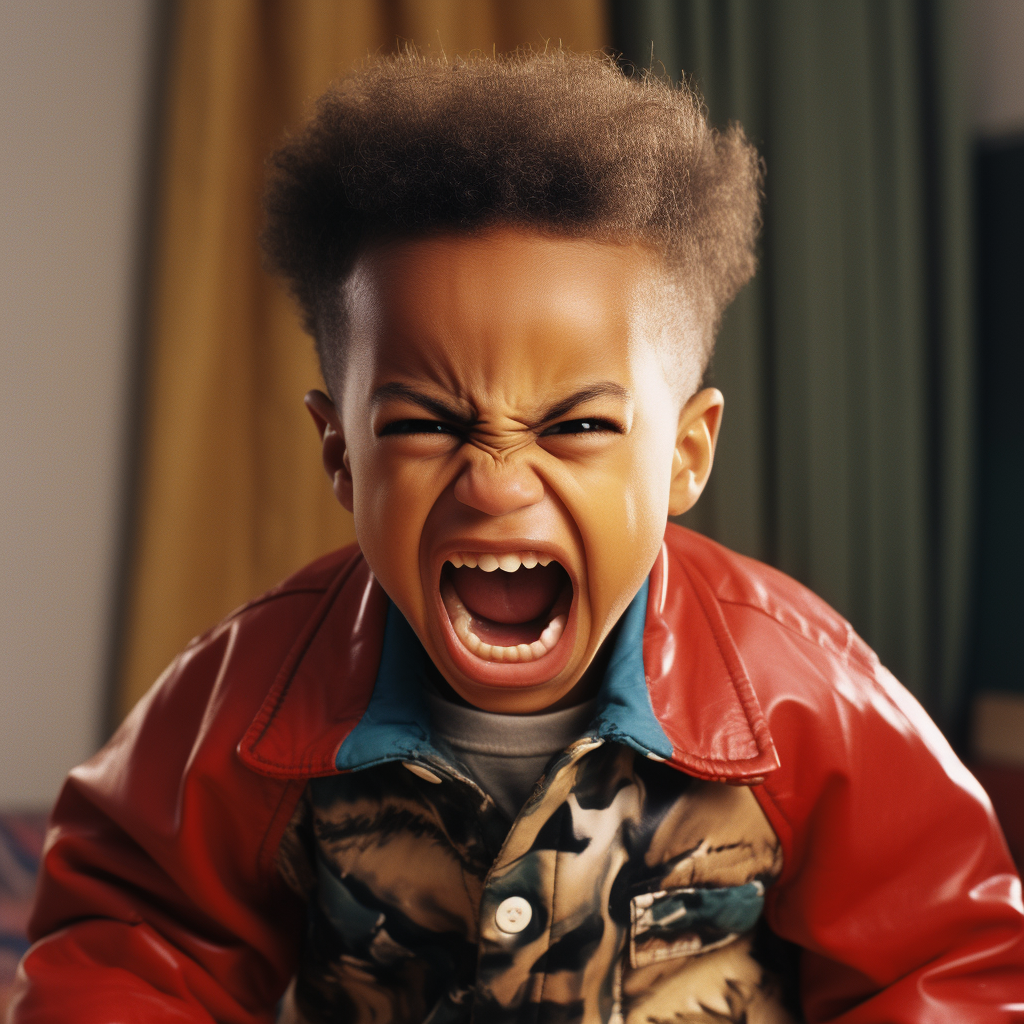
x=845 y=455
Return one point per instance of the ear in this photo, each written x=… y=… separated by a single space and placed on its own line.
x=332 y=441
x=699 y=421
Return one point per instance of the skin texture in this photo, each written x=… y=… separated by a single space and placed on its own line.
x=474 y=362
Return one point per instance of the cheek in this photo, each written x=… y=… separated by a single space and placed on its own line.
x=390 y=503
x=649 y=487
x=622 y=521
x=632 y=497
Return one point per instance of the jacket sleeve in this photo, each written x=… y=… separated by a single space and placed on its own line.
x=158 y=897
x=897 y=883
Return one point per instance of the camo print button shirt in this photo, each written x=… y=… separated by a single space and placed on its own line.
x=624 y=891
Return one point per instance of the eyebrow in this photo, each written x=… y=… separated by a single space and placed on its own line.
x=605 y=389
x=396 y=390
x=434 y=405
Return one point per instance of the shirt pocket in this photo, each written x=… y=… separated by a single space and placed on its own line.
x=682 y=922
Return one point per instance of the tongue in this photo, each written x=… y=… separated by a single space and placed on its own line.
x=509 y=597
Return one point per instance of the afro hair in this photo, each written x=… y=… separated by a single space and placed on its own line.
x=565 y=143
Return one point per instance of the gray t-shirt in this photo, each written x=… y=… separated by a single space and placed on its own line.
x=506 y=754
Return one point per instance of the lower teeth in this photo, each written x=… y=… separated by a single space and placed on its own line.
x=462 y=620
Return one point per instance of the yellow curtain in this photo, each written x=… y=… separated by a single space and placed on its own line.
x=232 y=497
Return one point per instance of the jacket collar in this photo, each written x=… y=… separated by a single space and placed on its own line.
x=350 y=694
x=396 y=723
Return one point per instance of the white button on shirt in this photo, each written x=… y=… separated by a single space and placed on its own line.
x=424 y=773
x=513 y=914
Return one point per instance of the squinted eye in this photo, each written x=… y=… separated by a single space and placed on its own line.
x=418 y=427
x=590 y=426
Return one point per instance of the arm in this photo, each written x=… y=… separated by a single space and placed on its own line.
x=158 y=898
x=897 y=882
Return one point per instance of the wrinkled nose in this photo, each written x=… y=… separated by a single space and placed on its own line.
x=498 y=488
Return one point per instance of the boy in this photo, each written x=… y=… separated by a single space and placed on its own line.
x=523 y=755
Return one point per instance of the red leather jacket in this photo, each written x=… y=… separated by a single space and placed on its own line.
x=160 y=899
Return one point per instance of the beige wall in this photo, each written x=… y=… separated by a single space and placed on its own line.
x=74 y=87
x=997 y=65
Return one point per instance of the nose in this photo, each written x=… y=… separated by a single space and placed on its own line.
x=498 y=487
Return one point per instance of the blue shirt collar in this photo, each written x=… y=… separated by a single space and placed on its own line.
x=396 y=723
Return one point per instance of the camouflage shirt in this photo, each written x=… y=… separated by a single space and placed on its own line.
x=625 y=889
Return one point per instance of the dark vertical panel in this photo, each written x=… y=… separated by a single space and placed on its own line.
x=996 y=659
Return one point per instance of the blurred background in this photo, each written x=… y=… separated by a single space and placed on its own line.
x=158 y=468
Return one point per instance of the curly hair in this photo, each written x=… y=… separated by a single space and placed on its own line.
x=562 y=142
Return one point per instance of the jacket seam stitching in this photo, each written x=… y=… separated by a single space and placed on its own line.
x=268 y=714
x=786 y=842
x=264 y=863
x=267 y=598
x=736 y=689
x=231 y=616
x=847 y=652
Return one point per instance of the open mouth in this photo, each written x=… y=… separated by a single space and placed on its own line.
x=509 y=607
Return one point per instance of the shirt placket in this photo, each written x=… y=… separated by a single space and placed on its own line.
x=518 y=904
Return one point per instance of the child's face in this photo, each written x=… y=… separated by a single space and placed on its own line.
x=504 y=402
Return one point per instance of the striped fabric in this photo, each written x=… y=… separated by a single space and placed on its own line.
x=21 y=845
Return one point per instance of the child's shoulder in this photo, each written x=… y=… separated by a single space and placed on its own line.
x=748 y=590
x=831 y=708
x=284 y=611
x=319 y=576
x=814 y=679
x=235 y=663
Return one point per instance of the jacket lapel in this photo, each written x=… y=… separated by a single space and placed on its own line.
x=698 y=688
x=698 y=684
x=325 y=683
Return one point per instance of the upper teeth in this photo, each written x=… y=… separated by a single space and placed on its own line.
x=508 y=562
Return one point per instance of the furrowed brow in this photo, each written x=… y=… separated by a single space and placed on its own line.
x=606 y=389
x=434 y=405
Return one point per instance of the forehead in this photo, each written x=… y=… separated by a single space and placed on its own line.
x=508 y=311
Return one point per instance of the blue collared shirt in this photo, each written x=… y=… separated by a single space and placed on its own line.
x=396 y=723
